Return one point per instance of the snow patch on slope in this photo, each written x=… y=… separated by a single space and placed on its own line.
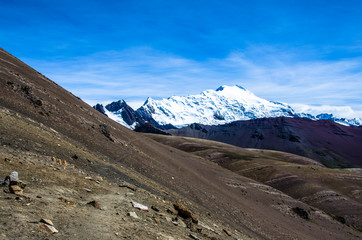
x=117 y=116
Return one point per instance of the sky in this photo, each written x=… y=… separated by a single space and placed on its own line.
x=298 y=52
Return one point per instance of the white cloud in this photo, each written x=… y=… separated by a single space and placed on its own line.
x=337 y=111
x=138 y=73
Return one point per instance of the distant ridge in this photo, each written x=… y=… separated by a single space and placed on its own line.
x=332 y=144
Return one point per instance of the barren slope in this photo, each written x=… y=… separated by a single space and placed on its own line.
x=337 y=192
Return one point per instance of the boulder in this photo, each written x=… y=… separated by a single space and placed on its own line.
x=227 y=232
x=184 y=212
x=140 y=206
x=14 y=177
x=95 y=204
x=133 y=215
x=47 y=221
x=49 y=228
x=16 y=189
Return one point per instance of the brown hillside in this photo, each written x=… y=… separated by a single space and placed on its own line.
x=337 y=192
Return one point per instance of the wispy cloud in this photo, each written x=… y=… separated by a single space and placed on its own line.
x=337 y=111
x=138 y=73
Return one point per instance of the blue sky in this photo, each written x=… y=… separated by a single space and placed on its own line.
x=298 y=52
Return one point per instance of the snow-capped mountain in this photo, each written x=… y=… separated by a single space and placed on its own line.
x=211 y=107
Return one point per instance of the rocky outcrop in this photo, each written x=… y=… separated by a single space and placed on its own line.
x=149 y=128
x=125 y=115
x=100 y=108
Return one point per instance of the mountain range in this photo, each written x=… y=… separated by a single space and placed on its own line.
x=234 y=115
x=212 y=107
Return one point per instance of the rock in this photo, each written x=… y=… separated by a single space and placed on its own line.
x=340 y=219
x=139 y=206
x=301 y=212
x=14 y=177
x=184 y=212
x=168 y=219
x=133 y=215
x=172 y=211
x=16 y=189
x=21 y=184
x=227 y=232
x=47 y=221
x=36 y=180
x=68 y=202
x=190 y=224
x=49 y=228
x=155 y=208
x=194 y=237
x=126 y=185
x=192 y=227
x=182 y=224
x=156 y=220
x=95 y=204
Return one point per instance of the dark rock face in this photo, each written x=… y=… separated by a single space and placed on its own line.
x=127 y=113
x=146 y=116
x=105 y=131
x=149 y=128
x=132 y=117
x=100 y=108
x=301 y=212
x=330 y=143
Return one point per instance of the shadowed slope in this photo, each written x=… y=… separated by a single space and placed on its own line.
x=330 y=143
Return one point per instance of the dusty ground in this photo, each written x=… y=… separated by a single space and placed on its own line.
x=336 y=191
x=48 y=182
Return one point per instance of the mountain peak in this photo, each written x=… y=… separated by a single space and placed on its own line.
x=148 y=100
x=223 y=87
